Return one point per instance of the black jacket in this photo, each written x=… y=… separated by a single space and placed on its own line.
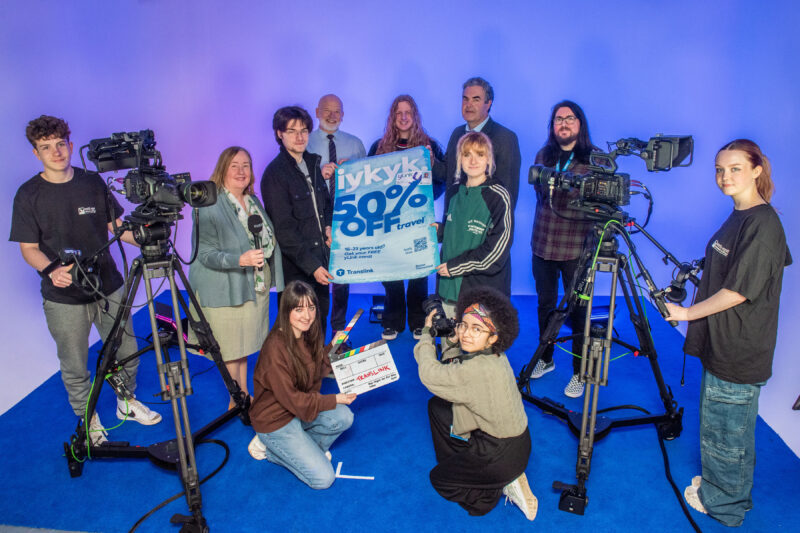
x=507 y=159
x=287 y=199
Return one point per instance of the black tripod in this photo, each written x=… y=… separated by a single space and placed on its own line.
x=155 y=262
x=601 y=255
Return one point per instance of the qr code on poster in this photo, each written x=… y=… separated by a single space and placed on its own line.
x=420 y=244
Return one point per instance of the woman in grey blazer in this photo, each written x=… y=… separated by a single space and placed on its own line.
x=230 y=276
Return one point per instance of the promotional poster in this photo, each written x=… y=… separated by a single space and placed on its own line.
x=382 y=219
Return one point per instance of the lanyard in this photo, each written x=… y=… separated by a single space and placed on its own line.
x=559 y=168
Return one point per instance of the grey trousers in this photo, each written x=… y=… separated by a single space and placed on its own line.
x=69 y=326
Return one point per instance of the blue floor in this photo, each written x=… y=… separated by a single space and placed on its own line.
x=390 y=440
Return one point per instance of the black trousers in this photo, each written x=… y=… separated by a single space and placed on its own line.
x=341 y=294
x=545 y=274
x=398 y=300
x=473 y=473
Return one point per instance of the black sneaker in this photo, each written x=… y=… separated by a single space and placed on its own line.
x=389 y=334
x=417 y=334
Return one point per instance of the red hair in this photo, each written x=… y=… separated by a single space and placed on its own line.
x=417 y=135
x=764 y=184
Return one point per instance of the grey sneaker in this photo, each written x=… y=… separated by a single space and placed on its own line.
x=574 y=388
x=97 y=433
x=542 y=368
x=136 y=411
x=257 y=449
x=519 y=492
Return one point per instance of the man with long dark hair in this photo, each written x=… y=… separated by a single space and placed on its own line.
x=559 y=232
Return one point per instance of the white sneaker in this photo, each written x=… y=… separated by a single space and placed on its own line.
x=691 y=496
x=136 y=411
x=257 y=449
x=519 y=492
x=542 y=368
x=574 y=388
x=97 y=433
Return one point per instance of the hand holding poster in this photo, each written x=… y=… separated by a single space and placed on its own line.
x=382 y=219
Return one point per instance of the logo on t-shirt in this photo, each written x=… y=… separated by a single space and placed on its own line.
x=86 y=210
x=720 y=249
x=476 y=227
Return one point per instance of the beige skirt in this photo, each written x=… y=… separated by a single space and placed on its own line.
x=239 y=330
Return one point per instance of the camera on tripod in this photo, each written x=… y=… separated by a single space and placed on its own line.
x=160 y=195
x=602 y=190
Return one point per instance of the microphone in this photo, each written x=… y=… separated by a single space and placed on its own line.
x=255 y=224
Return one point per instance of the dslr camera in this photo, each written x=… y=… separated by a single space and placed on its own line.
x=441 y=325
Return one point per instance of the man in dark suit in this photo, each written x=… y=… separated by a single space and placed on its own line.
x=476 y=102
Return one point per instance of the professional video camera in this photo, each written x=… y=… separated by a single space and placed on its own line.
x=601 y=190
x=161 y=195
x=596 y=196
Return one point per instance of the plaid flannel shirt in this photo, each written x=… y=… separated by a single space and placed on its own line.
x=555 y=238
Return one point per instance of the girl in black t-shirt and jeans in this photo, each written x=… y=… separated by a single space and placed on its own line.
x=733 y=328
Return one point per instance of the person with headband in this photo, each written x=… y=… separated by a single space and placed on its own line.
x=733 y=328
x=478 y=423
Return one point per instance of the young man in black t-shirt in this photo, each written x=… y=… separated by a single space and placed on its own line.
x=64 y=211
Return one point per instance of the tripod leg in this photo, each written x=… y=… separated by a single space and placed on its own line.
x=78 y=448
x=207 y=342
x=576 y=288
x=673 y=427
x=175 y=386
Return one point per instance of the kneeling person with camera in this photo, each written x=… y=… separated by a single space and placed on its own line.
x=478 y=423
x=64 y=212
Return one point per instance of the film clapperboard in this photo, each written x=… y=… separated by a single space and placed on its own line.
x=362 y=369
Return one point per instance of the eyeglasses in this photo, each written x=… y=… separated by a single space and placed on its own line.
x=570 y=119
x=474 y=331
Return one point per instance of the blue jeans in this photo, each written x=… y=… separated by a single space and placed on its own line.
x=728 y=413
x=300 y=446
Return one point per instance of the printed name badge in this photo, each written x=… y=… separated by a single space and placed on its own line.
x=365 y=368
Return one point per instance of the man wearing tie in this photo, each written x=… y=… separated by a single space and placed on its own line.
x=334 y=146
